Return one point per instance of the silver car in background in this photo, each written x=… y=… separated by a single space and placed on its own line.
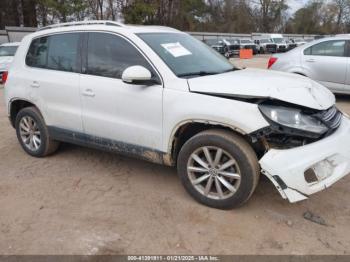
x=325 y=60
x=7 y=52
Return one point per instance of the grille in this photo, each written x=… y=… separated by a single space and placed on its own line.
x=234 y=47
x=271 y=46
x=331 y=118
x=249 y=47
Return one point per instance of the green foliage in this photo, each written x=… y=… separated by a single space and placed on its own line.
x=63 y=10
x=140 y=12
x=237 y=16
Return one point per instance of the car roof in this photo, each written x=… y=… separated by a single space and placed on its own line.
x=339 y=37
x=102 y=25
x=11 y=44
x=343 y=36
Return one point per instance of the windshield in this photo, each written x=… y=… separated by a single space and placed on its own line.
x=263 y=41
x=246 y=41
x=278 y=40
x=185 y=55
x=8 y=50
x=234 y=42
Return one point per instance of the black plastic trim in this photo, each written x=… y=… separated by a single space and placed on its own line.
x=105 y=144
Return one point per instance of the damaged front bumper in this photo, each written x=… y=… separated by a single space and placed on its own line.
x=305 y=170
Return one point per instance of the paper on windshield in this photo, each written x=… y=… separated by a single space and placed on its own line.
x=176 y=49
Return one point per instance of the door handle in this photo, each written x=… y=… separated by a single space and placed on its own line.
x=311 y=60
x=88 y=92
x=34 y=84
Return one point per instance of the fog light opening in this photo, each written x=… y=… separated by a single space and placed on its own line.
x=310 y=176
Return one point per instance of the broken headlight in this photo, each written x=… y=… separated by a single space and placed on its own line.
x=293 y=118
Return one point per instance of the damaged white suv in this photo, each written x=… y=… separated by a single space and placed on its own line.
x=159 y=94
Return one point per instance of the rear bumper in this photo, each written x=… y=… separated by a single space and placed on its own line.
x=327 y=159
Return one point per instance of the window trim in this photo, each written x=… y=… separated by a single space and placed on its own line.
x=346 y=48
x=79 y=53
x=85 y=54
x=82 y=51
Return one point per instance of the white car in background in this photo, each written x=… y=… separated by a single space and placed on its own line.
x=7 y=52
x=280 y=41
x=326 y=61
x=161 y=95
x=299 y=41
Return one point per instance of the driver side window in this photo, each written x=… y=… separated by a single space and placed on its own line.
x=109 y=55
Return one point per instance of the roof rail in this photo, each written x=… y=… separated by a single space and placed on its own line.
x=91 y=22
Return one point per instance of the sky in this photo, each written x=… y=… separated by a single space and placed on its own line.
x=296 y=4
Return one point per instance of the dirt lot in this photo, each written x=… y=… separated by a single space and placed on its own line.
x=82 y=201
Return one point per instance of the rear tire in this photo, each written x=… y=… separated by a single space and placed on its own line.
x=33 y=134
x=201 y=166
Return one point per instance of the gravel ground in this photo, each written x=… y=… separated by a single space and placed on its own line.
x=83 y=201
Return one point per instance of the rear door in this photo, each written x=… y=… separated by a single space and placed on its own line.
x=347 y=81
x=52 y=79
x=327 y=63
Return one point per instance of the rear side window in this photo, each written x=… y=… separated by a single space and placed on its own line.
x=109 y=55
x=328 y=48
x=56 y=52
x=8 y=50
x=63 y=52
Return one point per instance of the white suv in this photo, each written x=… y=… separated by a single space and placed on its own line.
x=159 y=94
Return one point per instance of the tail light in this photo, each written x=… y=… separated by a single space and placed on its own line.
x=4 y=77
x=272 y=60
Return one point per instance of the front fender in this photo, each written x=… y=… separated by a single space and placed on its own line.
x=180 y=108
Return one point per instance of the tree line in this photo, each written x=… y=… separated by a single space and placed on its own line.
x=235 y=16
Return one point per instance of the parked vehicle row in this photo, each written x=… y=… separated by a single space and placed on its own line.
x=161 y=95
x=231 y=47
x=267 y=43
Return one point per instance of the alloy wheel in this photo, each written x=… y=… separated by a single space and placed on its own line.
x=30 y=133
x=213 y=172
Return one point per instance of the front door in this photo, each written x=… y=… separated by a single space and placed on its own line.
x=114 y=112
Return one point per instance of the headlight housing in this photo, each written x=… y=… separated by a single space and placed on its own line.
x=294 y=119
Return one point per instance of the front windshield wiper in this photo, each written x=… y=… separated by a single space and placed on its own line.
x=206 y=73
x=230 y=70
x=199 y=73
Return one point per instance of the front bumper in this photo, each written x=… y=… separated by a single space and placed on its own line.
x=328 y=160
x=281 y=48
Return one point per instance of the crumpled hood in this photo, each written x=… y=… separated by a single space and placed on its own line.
x=5 y=61
x=259 y=83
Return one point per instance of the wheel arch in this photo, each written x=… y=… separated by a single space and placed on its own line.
x=183 y=131
x=299 y=73
x=16 y=105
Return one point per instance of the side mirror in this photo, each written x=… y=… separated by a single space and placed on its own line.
x=137 y=75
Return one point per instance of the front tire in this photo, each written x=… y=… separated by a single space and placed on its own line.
x=32 y=133
x=218 y=169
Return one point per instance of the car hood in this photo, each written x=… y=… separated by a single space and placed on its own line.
x=258 y=83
